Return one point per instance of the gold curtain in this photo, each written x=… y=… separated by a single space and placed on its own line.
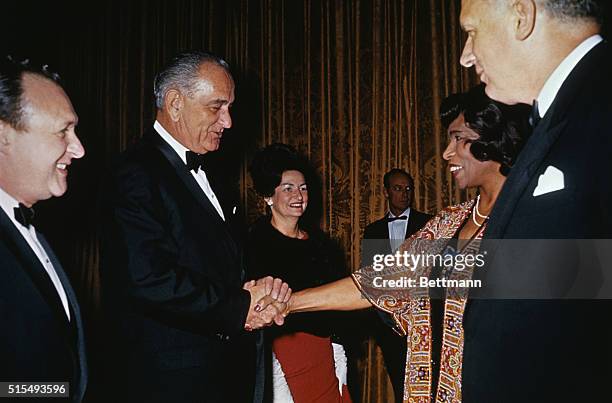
x=355 y=85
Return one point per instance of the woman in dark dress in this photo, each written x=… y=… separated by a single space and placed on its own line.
x=305 y=364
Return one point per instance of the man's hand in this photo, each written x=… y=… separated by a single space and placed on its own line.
x=276 y=288
x=284 y=309
x=273 y=294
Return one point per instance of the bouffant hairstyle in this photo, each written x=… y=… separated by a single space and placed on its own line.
x=503 y=129
x=269 y=164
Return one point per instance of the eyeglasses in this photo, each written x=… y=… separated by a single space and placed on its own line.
x=398 y=188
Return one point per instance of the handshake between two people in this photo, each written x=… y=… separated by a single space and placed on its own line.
x=269 y=302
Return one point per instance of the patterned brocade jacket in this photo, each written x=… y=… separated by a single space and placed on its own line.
x=410 y=305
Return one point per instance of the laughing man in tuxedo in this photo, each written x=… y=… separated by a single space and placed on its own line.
x=385 y=236
x=544 y=347
x=173 y=269
x=41 y=336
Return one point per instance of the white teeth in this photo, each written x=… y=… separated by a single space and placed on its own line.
x=455 y=168
x=61 y=166
x=296 y=204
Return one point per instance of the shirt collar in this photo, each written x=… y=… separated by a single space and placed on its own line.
x=180 y=149
x=405 y=212
x=551 y=87
x=8 y=203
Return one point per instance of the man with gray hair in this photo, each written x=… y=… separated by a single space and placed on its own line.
x=540 y=346
x=173 y=275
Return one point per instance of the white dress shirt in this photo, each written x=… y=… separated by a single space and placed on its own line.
x=199 y=176
x=8 y=204
x=397 y=229
x=555 y=81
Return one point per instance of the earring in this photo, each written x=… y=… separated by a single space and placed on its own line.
x=270 y=203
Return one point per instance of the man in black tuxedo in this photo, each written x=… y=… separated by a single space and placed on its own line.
x=544 y=347
x=173 y=270
x=42 y=334
x=385 y=236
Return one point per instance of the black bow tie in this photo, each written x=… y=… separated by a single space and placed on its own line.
x=24 y=215
x=195 y=161
x=534 y=117
x=391 y=219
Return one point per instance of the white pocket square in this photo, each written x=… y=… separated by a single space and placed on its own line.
x=550 y=181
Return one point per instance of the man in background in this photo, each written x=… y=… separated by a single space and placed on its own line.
x=42 y=334
x=384 y=236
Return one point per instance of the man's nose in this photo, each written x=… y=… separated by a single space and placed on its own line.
x=75 y=147
x=226 y=119
x=467 y=58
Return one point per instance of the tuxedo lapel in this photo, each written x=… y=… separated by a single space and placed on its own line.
x=35 y=270
x=412 y=224
x=227 y=203
x=383 y=227
x=75 y=316
x=521 y=175
x=383 y=232
x=185 y=175
x=192 y=185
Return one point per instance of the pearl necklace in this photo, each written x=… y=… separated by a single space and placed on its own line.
x=486 y=217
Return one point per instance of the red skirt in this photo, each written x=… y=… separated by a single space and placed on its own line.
x=308 y=364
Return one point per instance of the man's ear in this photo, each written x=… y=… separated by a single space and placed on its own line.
x=386 y=192
x=5 y=134
x=173 y=104
x=524 y=17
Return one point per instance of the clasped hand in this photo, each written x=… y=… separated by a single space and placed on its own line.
x=269 y=297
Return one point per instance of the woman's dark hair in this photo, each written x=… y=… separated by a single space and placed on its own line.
x=451 y=107
x=503 y=129
x=269 y=164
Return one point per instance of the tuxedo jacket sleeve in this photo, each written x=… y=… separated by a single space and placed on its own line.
x=173 y=257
